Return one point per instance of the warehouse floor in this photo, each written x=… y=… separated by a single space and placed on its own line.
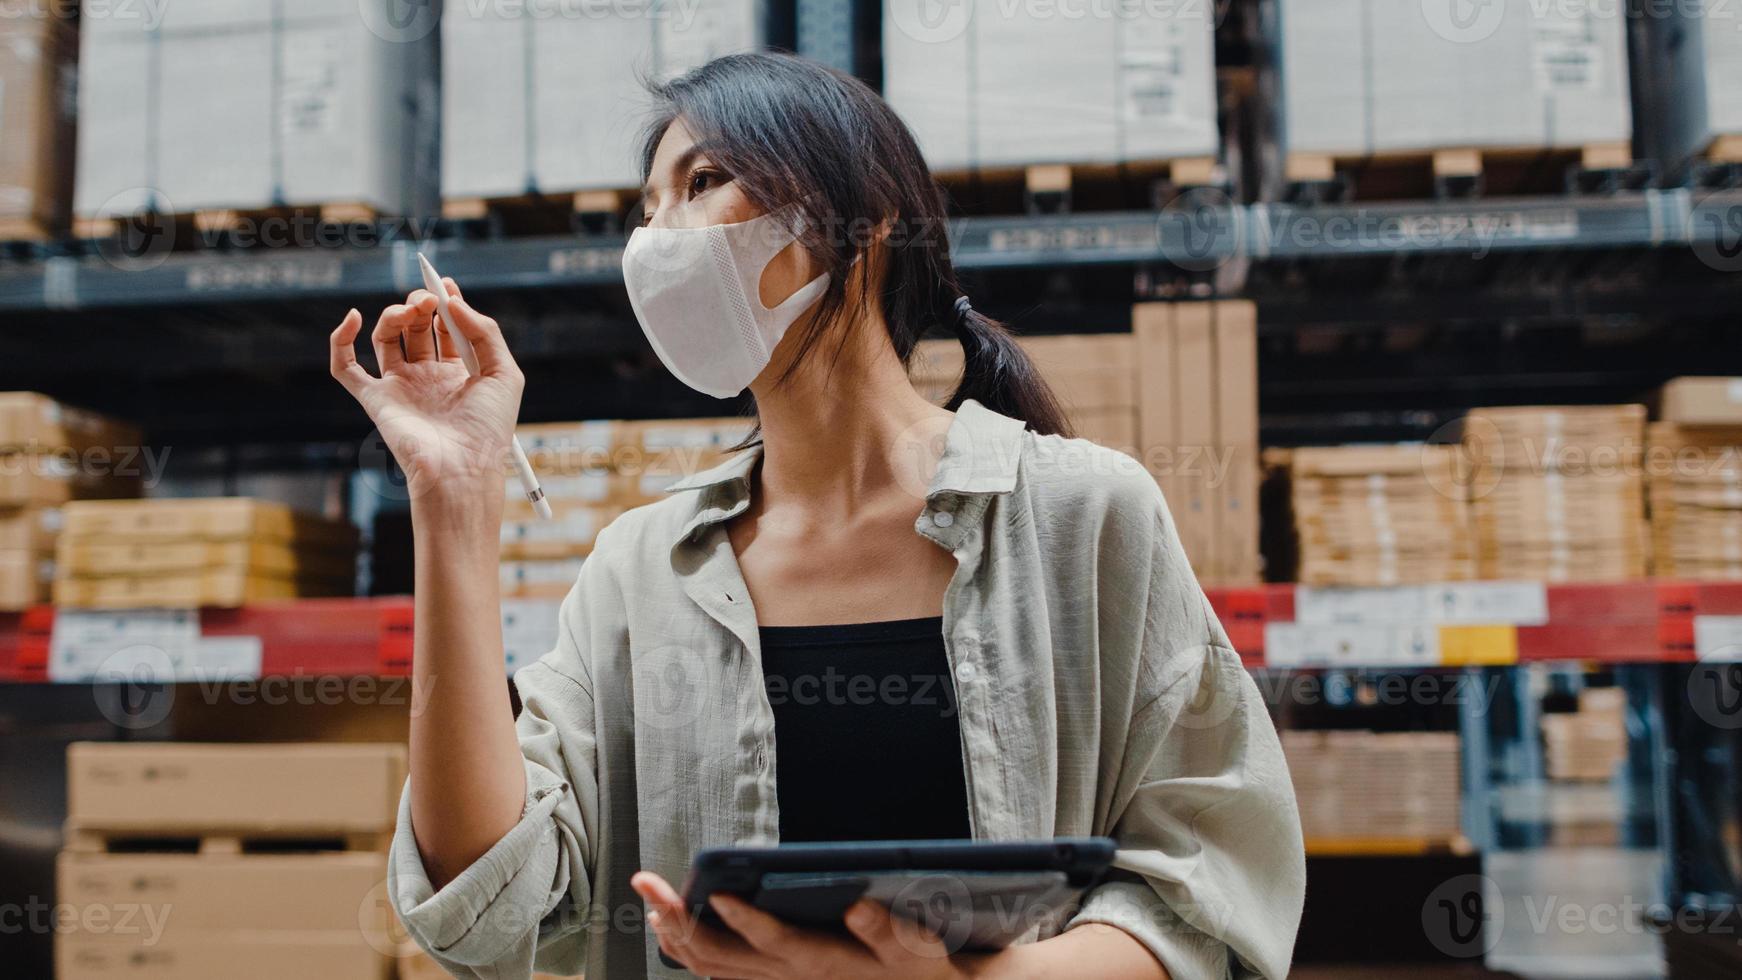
x=1573 y=913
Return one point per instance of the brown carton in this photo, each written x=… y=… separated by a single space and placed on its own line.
x=1702 y=401
x=173 y=786
x=1237 y=431
x=200 y=894
x=1196 y=511
x=327 y=956
x=38 y=59
x=36 y=423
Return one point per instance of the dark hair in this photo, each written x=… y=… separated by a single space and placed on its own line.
x=795 y=133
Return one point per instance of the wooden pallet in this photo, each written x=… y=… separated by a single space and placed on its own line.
x=1387 y=846
x=545 y=213
x=25 y=230
x=205 y=840
x=1460 y=171
x=209 y=226
x=1062 y=187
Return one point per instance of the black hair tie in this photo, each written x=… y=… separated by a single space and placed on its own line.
x=963 y=308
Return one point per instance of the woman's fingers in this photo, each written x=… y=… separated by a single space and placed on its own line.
x=345 y=368
x=892 y=938
x=420 y=338
x=485 y=336
x=389 y=331
x=705 y=951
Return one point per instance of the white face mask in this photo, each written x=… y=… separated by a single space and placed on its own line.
x=695 y=292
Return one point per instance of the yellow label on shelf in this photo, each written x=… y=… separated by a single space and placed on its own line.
x=1478 y=646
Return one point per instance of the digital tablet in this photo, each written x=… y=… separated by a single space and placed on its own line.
x=974 y=895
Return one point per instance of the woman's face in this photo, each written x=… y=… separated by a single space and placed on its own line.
x=687 y=189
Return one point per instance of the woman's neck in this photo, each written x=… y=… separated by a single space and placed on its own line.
x=841 y=430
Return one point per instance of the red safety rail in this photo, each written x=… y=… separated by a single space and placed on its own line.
x=1620 y=622
x=340 y=637
x=1243 y=612
x=1610 y=622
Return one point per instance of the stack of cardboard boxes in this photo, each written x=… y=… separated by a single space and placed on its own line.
x=1375 y=786
x=1558 y=493
x=51 y=454
x=1590 y=744
x=1197 y=369
x=591 y=472
x=38 y=55
x=199 y=860
x=1695 y=470
x=1180 y=394
x=222 y=551
x=1380 y=515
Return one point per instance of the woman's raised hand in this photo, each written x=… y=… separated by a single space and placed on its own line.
x=447 y=430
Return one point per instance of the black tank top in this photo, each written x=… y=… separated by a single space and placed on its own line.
x=866 y=740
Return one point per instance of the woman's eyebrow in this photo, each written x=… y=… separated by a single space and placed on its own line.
x=682 y=163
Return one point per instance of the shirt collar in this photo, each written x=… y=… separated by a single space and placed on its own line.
x=982 y=452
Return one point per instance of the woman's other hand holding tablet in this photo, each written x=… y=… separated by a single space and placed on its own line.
x=759 y=946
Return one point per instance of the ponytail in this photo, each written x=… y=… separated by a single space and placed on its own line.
x=997 y=373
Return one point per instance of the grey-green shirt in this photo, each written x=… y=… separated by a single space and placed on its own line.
x=1097 y=695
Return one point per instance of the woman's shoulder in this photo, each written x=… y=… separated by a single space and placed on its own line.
x=1088 y=479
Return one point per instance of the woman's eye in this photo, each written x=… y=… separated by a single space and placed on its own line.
x=702 y=180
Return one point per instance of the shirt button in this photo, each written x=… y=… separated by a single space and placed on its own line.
x=964 y=672
x=943 y=518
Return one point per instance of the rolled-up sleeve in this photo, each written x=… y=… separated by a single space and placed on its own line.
x=526 y=898
x=1211 y=869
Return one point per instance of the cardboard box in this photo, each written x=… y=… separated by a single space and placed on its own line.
x=325 y=956
x=1702 y=401
x=171 y=786
x=38 y=59
x=50 y=479
x=339 y=892
x=206 y=519
x=24 y=580
x=35 y=423
x=29 y=530
x=994 y=86
x=1237 y=435
x=1194 y=509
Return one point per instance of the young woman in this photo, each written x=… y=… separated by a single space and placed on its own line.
x=871 y=542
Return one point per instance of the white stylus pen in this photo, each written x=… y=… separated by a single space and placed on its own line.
x=528 y=479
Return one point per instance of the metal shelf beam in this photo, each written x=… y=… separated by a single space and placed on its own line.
x=1196 y=238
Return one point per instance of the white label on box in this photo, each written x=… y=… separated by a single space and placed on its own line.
x=1733 y=390
x=121 y=645
x=1350 y=645
x=1449 y=604
x=225 y=658
x=1568 y=55
x=1718 y=639
x=1488 y=604
x=309 y=89
x=529 y=630
x=1318 y=606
